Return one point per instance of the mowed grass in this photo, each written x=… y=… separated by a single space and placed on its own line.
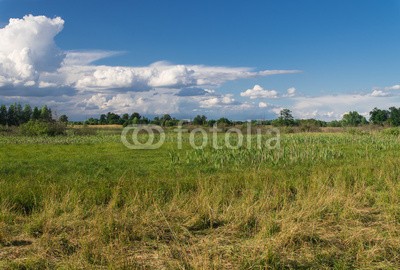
x=320 y=201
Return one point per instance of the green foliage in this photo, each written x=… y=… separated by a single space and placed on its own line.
x=200 y=120
x=63 y=119
x=353 y=119
x=3 y=115
x=285 y=119
x=394 y=118
x=311 y=125
x=38 y=128
x=224 y=121
x=378 y=116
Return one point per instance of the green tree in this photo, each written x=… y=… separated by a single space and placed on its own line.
x=285 y=118
x=394 y=118
x=45 y=114
x=35 y=114
x=3 y=115
x=63 y=118
x=103 y=119
x=200 y=120
x=19 y=114
x=379 y=117
x=224 y=121
x=353 y=119
x=12 y=118
x=135 y=115
x=26 y=113
x=113 y=119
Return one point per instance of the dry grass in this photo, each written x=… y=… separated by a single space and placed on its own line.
x=342 y=213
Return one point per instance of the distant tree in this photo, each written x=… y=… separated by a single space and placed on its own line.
x=379 y=117
x=224 y=121
x=144 y=120
x=63 y=118
x=211 y=122
x=3 y=115
x=156 y=121
x=27 y=113
x=103 y=119
x=35 y=114
x=135 y=115
x=200 y=120
x=19 y=114
x=113 y=118
x=125 y=117
x=353 y=119
x=394 y=118
x=165 y=120
x=135 y=121
x=285 y=118
x=45 y=114
x=12 y=118
x=334 y=123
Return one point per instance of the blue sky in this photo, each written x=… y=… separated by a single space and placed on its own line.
x=346 y=54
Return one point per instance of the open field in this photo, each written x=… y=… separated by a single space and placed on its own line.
x=320 y=201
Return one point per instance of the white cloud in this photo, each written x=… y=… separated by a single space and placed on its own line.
x=379 y=93
x=258 y=92
x=27 y=48
x=263 y=104
x=394 y=87
x=291 y=92
x=151 y=102
x=81 y=58
x=217 y=101
x=29 y=56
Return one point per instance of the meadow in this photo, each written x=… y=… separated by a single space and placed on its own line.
x=320 y=201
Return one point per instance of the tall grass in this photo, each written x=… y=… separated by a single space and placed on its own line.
x=321 y=201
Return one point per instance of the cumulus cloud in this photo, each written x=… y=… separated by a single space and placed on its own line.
x=219 y=101
x=33 y=69
x=152 y=102
x=27 y=48
x=29 y=57
x=258 y=92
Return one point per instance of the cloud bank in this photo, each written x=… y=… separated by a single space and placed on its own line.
x=35 y=70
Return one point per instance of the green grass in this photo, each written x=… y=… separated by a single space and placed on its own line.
x=321 y=201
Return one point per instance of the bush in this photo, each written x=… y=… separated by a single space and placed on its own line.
x=39 y=128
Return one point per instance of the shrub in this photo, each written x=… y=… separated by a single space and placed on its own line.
x=38 y=128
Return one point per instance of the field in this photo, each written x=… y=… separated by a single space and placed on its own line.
x=320 y=201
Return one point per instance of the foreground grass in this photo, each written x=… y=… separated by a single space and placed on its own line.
x=321 y=201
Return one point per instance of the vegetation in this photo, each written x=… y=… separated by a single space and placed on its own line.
x=16 y=115
x=322 y=200
x=86 y=202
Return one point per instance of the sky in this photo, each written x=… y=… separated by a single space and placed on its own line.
x=236 y=59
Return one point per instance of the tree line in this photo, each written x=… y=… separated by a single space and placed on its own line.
x=16 y=115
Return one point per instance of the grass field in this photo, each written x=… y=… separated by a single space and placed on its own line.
x=320 y=201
